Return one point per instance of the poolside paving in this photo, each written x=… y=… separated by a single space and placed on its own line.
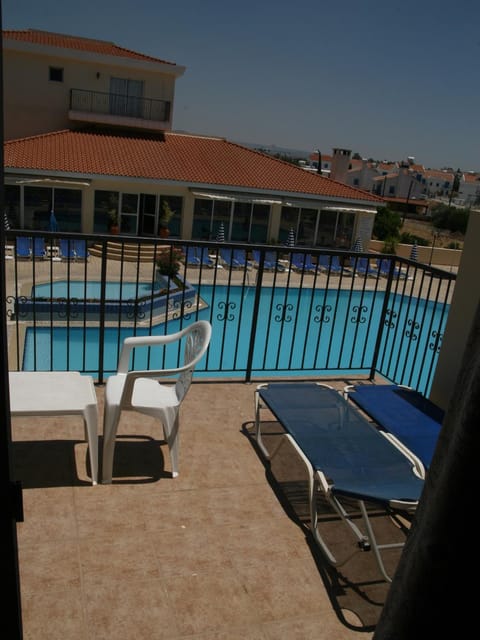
x=222 y=551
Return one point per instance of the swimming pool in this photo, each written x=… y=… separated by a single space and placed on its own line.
x=299 y=332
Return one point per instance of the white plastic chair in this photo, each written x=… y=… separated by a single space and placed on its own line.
x=141 y=391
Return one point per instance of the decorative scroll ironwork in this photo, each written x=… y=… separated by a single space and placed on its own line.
x=358 y=318
x=415 y=327
x=135 y=308
x=283 y=317
x=390 y=317
x=323 y=310
x=226 y=316
x=68 y=307
x=437 y=340
x=11 y=302
x=177 y=309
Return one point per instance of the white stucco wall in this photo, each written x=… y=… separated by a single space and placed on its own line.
x=465 y=301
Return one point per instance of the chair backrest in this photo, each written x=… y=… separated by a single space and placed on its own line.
x=240 y=256
x=67 y=248
x=302 y=260
x=196 y=341
x=203 y=257
x=23 y=247
x=226 y=255
x=80 y=248
x=39 y=247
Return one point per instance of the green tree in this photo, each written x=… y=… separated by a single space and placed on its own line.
x=450 y=218
x=387 y=224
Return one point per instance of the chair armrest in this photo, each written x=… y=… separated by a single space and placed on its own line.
x=141 y=341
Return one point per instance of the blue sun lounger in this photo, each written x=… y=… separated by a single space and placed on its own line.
x=348 y=460
x=303 y=262
x=410 y=419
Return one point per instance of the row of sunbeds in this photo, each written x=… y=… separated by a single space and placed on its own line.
x=35 y=248
x=301 y=262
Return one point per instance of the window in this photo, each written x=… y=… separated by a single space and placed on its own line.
x=242 y=221
x=126 y=97
x=39 y=201
x=55 y=74
x=105 y=208
x=176 y=205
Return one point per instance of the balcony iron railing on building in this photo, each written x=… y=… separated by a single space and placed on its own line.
x=112 y=104
x=339 y=314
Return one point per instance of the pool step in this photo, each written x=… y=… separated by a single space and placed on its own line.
x=128 y=252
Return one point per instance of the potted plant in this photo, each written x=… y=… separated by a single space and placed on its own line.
x=165 y=217
x=169 y=261
x=113 y=221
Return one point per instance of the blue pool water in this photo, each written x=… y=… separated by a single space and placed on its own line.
x=91 y=289
x=299 y=332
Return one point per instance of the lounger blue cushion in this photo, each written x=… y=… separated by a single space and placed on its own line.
x=341 y=443
x=404 y=413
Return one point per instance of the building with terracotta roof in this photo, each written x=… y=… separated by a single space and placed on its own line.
x=88 y=134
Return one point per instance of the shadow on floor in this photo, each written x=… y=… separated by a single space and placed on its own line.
x=64 y=463
x=357 y=586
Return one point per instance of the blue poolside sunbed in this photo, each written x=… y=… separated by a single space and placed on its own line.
x=67 y=250
x=330 y=263
x=235 y=258
x=407 y=416
x=198 y=256
x=348 y=460
x=81 y=250
x=39 y=248
x=384 y=266
x=303 y=262
x=23 y=247
x=270 y=262
x=362 y=267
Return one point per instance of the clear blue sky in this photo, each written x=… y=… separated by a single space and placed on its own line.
x=385 y=79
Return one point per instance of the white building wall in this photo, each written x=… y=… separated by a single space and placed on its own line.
x=33 y=104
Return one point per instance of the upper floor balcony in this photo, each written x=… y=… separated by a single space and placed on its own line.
x=119 y=110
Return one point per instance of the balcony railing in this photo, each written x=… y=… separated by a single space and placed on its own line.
x=112 y=104
x=271 y=318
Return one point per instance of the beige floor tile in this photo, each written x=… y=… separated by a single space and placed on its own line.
x=128 y=609
x=210 y=602
x=52 y=614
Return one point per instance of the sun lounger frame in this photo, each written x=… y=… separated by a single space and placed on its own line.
x=319 y=482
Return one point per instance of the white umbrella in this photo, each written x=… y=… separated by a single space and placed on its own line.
x=221 y=233
x=414 y=252
x=358 y=246
x=291 y=238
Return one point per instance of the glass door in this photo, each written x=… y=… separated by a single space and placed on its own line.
x=129 y=213
x=147 y=222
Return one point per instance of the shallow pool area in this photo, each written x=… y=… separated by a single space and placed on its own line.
x=92 y=289
x=90 y=300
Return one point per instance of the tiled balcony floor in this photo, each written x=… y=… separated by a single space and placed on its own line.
x=217 y=553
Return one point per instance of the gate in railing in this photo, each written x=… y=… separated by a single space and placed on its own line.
x=276 y=312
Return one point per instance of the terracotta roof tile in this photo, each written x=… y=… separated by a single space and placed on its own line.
x=174 y=157
x=101 y=47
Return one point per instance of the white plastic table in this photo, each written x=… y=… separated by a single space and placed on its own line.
x=53 y=393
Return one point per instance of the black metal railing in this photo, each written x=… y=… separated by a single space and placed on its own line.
x=276 y=312
x=119 y=105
